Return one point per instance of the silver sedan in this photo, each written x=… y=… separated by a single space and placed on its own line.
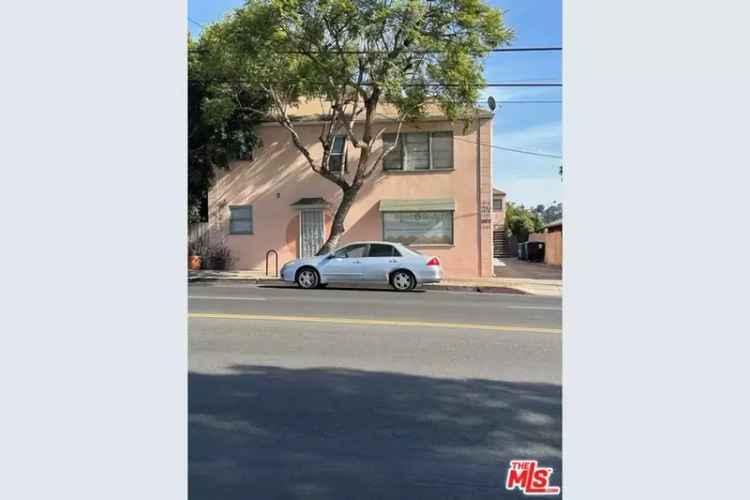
x=366 y=262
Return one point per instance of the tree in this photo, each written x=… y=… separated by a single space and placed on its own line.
x=521 y=221
x=217 y=133
x=355 y=55
x=550 y=213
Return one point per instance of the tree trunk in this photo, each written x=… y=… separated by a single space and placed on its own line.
x=337 y=228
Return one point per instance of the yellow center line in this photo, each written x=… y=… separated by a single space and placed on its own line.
x=358 y=321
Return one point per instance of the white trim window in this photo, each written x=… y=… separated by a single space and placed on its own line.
x=337 y=161
x=419 y=151
x=241 y=219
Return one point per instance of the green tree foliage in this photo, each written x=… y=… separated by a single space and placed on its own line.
x=522 y=221
x=218 y=132
x=354 y=55
x=550 y=213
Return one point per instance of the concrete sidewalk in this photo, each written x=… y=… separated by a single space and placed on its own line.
x=545 y=287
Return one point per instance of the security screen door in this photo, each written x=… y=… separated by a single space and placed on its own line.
x=311 y=232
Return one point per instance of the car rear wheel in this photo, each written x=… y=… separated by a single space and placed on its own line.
x=403 y=281
x=307 y=278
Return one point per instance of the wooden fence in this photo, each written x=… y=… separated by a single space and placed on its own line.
x=197 y=231
x=553 y=249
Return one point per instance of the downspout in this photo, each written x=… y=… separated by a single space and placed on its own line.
x=479 y=195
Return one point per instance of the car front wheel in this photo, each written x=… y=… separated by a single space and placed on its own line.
x=403 y=281
x=307 y=278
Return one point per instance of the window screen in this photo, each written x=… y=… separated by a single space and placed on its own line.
x=241 y=220
x=434 y=228
x=417 y=148
x=442 y=150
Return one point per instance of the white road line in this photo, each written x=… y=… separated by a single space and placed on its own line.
x=216 y=297
x=543 y=308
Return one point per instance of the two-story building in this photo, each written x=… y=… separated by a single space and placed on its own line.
x=433 y=192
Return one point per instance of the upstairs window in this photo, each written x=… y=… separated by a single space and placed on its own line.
x=337 y=161
x=419 y=151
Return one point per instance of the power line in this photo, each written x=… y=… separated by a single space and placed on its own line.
x=195 y=22
x=425 y=84
x=529 y=102
x=503 y=148
x=417 y=51
x=414 y=51
x=513 y=150
x=501 y=85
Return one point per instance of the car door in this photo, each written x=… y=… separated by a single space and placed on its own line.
x=381 y=259
x=345 y=265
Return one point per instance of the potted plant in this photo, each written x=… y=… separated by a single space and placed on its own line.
x=195 y=254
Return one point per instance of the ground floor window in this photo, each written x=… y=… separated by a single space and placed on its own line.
x=241 y=219
x=420 y=227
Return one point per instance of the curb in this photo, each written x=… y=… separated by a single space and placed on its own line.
x=475 y=288
x=437 y=288
x=239 y=281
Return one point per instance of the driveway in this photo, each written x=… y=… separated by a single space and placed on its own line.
x=515 y=268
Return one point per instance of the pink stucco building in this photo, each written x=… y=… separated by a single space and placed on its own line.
x=433 y=192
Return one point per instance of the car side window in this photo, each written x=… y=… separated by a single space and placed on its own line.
x=381 y=250
x=351 y=252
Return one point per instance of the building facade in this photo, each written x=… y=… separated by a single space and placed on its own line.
x=433 y=192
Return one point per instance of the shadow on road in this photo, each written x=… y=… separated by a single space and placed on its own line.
x=277 y=433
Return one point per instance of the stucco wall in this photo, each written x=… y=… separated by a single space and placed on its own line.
x=279 y=176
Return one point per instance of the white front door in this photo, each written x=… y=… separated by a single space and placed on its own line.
x=310 y=232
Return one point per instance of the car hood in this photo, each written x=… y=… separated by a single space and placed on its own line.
x=313 y=261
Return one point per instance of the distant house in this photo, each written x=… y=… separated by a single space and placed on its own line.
x=502 y=244
x=498 y=207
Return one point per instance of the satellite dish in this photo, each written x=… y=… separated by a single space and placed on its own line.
x=491 y=103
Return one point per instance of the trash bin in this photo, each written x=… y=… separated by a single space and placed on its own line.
x=535 y=251
x=522 y=251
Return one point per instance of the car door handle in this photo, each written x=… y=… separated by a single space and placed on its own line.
x=393 y=260
x=356 y=262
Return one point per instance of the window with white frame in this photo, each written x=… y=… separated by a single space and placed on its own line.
x=419 y=151
x=337 y=161
x=241 y=219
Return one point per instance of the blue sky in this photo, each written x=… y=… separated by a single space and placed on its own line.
x=527 y=179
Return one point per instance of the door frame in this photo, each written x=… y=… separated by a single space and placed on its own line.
x=299 y=231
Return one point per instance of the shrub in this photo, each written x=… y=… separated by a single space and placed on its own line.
x=219 y=257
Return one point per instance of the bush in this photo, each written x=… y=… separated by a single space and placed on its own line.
x=218 y=257
x=521 y=222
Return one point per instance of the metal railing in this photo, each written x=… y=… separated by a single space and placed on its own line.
x=276 y=261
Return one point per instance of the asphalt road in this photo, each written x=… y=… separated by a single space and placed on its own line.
x=431 y=398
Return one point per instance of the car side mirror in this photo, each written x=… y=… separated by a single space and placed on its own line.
x=330 y=255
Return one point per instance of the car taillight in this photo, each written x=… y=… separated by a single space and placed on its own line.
x=433 y=262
